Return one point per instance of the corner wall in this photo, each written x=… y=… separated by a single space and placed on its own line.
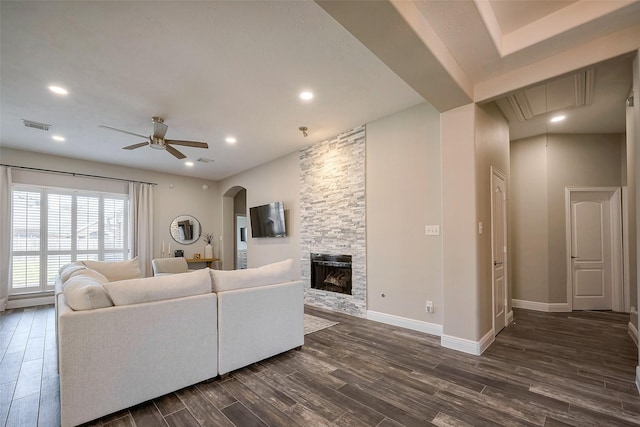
x=474 y=138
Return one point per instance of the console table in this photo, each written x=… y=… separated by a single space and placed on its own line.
x=208 y=261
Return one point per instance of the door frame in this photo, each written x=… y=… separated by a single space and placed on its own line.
x=615 y=211
x=498 y=173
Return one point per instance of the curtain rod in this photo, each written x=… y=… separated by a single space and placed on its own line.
x=84 y=175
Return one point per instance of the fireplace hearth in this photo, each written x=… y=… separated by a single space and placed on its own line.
x=331 y=273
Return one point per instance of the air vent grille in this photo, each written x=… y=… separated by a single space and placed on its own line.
x=36 y=125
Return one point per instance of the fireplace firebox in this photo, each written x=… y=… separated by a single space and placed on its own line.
x=331 y=273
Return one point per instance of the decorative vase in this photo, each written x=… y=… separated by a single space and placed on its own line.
x=208 y=251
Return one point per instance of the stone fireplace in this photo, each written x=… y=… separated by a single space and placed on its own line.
x=331 y=273
x=333 y=221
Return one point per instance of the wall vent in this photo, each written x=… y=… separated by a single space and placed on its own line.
x=36 y=125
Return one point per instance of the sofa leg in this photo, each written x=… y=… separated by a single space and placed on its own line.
x=223 y=377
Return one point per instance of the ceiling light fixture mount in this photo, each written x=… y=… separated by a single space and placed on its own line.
x=306 y=95
x=304 y=131
x=58 y=90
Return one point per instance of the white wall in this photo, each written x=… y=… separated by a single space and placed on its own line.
x=174 y=195
x=403 y=187
x=278 y=180
x=529 y=222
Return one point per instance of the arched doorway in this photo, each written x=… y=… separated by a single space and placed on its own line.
x=234 y=217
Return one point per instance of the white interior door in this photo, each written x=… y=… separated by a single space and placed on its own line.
x=499 y=249
x=591 y=250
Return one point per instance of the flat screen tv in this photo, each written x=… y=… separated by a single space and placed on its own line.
x=268 y=220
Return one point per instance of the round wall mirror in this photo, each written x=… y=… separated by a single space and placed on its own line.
x=185 y=229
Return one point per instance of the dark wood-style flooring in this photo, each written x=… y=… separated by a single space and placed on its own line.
x=545 y=369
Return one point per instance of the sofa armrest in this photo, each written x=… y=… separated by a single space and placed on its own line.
x=116 y=357
x=257 y=323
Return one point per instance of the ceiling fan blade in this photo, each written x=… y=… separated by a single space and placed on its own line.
x=159 y=129
x=134 y=146
x=175 y=152
x=123 y=131
x=187 y=143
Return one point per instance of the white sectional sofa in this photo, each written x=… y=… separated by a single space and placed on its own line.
x=260 y=314
x=123 y=340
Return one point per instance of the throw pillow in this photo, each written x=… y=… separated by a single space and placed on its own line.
x=68 y=270
x=84 y=291
x=136 y=291
x=117 y=270
x=278 y=272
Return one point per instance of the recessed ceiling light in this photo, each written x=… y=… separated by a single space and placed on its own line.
x=188 y=163
x=58 y=90
x=559 y=118
x=58 y=138
x=306 y=95
x=230 y=140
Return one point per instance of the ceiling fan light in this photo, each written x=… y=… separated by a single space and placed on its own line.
x=230 y=140
x=188 y=163
x=306 y=95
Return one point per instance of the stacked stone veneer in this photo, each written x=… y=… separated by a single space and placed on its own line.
x=332 y=215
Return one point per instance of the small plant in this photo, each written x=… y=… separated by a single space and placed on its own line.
x=207 y=237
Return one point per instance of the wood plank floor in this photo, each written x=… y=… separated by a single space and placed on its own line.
x=545 y=369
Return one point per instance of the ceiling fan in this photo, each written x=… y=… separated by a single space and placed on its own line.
x=157 y=140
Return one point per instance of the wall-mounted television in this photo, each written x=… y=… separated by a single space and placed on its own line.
x=268 y=220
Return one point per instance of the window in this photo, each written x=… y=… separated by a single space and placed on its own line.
x=52 y=227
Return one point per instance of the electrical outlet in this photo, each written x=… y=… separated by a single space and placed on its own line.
x=429 y=307
x=432 y=230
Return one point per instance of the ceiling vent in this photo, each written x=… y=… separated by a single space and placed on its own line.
x=568 y=92
x=205 y=160
x=36 y=125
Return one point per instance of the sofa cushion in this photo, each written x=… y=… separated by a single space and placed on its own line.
x=68 y=270
x=85 y=291
x=117 y=270
x=136 y=291
x=269 y=274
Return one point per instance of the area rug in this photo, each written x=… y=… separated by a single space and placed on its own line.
x=314 y=323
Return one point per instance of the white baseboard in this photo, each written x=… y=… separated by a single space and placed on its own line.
x=550 y=307
x=467 y=346
x=29 y=302
x=510 y=317
x=403 y=322
x=633 y=331
x=460 y=344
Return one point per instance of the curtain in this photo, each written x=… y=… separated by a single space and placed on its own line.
x=5 y=235
x=141 y=220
